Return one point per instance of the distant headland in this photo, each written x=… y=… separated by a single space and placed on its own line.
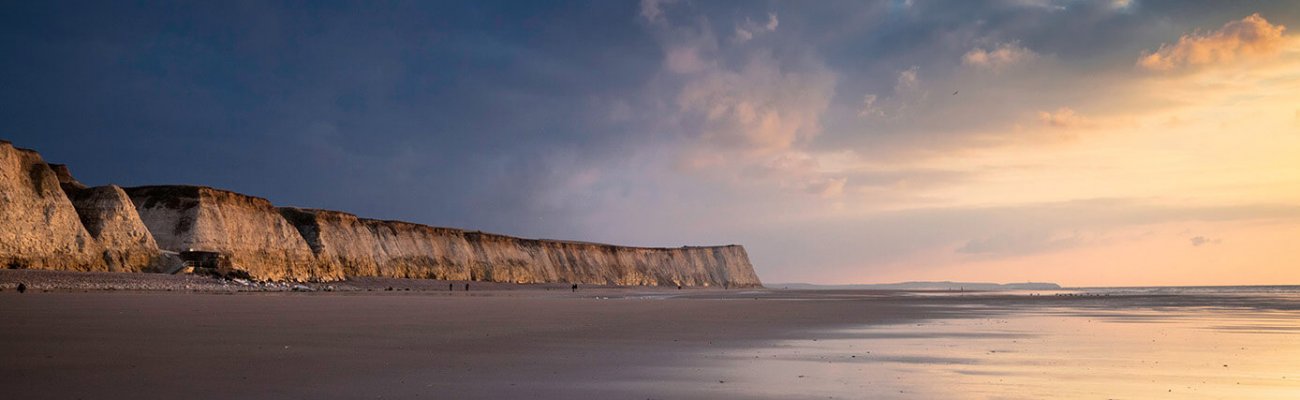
x=942 y=285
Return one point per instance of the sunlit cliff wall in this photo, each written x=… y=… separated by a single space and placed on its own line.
x=51 y=221
x=367 y=247
x=110 y=217
x=39 y=227
x=248 y=229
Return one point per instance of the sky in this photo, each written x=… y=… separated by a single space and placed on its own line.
x=1088 y=143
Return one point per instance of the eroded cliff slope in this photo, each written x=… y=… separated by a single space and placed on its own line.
x=39 y=227
x=248 y=229
x=110 y=217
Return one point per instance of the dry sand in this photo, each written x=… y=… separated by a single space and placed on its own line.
x=553 y=344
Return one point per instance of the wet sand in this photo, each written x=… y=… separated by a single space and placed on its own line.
x=642 y=343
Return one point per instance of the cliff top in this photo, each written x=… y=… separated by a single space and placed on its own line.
x=191 y=192
x=65 y=176
x=19 y=149
x=412 y=225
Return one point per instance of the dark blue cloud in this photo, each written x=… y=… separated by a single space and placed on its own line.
x=438 y=113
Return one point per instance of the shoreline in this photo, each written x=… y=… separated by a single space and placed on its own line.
x=78 y=281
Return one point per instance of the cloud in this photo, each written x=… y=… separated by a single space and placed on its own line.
x=685 y=59
x=1250 y=37
x=652 y=10
x=869 y=108
x=1051 y=5
x=908 y=81
x=743 y=35
x=906 y=95
x=761 y=108
x=1065 y=118
x=1020 y=244
x=827 y=187
x=747 y=31
x=743 y=115
x=999 y=57
x=1202 y=240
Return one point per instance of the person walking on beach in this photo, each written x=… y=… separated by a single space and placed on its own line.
x=575 y=288
x=451 y=286
x=466 y=286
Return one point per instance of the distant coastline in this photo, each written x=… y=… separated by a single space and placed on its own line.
x=935 y=285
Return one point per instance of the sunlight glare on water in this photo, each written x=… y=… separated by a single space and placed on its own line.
x=1047 y=353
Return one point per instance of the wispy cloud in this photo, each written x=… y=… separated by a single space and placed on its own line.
x=998 y=57
x=1065 y=118
x=749 y=29
x=1252 y=36
x=652 y=10
x=746 y=111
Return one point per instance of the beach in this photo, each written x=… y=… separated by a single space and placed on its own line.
x=645 y=343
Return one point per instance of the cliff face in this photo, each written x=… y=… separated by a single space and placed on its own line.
x=65 y=177
x=39 y=228
x=366 y=247
x=49 y=220
x=259 y=242
x=110 y=217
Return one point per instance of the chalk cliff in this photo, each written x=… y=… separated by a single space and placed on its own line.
x=65 y=177
x=110 y=217
x=367 y=247
x=52 y=221
x=259 y=242
x=39 y=227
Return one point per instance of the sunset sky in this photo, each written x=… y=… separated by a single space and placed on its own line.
x=1078 y=142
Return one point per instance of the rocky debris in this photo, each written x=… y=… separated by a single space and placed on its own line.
x=41 y=227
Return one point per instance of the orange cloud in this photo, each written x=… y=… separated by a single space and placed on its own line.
x=1065 y=117
x=1001 y=56
x=1251 y=36
x=763 y=108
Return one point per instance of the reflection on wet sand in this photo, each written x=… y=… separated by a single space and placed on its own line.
x=648 y=343
x=1051 y=352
